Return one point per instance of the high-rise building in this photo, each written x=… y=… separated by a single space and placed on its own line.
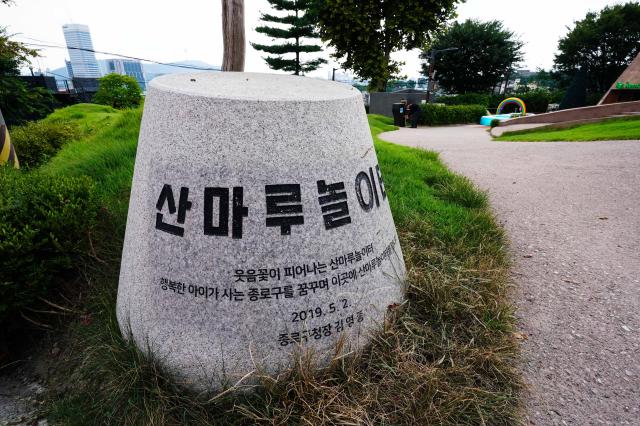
x=69 y=69
x=128 y=67
x=83 y=60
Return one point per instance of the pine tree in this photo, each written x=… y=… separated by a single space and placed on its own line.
x=298 y=26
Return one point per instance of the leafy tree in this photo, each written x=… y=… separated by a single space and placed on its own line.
x=18 y=101
x=603 y=44
x=298 y=27
x=365 y=33
x=393 y=85
x=576 y=95
x=544 y=78
x=118 y=91
x=487 y=51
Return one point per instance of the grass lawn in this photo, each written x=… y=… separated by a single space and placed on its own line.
x=106 y=154
x=446 y=358
x=615 y=129
x=89 y=117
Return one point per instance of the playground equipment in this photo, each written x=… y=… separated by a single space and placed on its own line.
x=513 y=101
x=487 y=119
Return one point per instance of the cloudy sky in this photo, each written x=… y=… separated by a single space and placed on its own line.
x=191 y=29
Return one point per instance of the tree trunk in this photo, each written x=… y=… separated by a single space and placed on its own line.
x=233 y=35
x=297 y=56
x=377 y=84
x=382 y=80
x=297 y=49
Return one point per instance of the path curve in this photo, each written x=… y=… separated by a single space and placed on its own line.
x=572 y=213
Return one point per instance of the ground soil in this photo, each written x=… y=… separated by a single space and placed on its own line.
x=27 y=361
x=19 y=398
x=31 y=357
x=572 y=213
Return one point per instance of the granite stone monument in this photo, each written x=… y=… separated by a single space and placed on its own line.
x=258 y=224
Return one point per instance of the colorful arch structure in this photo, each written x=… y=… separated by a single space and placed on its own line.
x=512 y=101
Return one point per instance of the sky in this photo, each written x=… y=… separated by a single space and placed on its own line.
x=170 y=31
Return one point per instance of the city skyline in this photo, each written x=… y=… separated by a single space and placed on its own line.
x=168 y=33
x=129 y=67
x=82 y=61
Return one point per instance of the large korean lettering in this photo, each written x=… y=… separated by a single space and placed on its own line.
x=335 y=209
x=381 y=181
x=224 y=209
x=238 y=212
x=166 y=197
x=283 y=206
x=369 y=182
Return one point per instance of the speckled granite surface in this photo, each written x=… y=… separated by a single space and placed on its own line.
x=258 y=223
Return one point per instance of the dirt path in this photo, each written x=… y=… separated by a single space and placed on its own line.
x=572 y=212
x=19 y=394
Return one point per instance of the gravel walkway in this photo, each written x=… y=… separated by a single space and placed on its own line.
x=572 y=212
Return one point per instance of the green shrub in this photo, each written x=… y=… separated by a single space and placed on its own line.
x=438 y=115
x=43 y=228
x=495 y=123
x=37 y=141
x=494 y=101
x=465 y=99
x=89 y=118
x=537 y=100
x=594 y=98
x=118 y=91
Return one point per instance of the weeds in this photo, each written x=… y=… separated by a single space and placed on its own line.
x=446 y=356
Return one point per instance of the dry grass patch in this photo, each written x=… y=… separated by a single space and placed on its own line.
x=446 y=356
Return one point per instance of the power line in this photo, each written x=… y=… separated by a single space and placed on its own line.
x=191 y=67
x=64 y=77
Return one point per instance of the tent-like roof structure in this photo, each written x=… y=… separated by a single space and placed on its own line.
x=626 y=88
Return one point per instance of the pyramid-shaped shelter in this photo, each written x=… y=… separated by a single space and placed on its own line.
x=626 y=88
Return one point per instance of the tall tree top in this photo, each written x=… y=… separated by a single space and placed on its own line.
x=603 y=44
x=486 y=52
x=364 y=33
x=291 y=30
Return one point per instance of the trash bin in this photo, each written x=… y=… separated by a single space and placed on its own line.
x=398 y=114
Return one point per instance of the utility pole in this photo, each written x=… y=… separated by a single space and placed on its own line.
x=233 y=35
x=432 y=75
x=333 y=76
x=432 y=72
x=506 y=80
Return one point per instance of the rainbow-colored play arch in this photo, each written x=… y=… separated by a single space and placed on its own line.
x=516 y=101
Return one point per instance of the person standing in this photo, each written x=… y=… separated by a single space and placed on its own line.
x=413 y=111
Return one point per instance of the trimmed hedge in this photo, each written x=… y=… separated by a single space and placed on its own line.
x=465 y=99
x=440 y=115
x=537 y=100
x=43 y=228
